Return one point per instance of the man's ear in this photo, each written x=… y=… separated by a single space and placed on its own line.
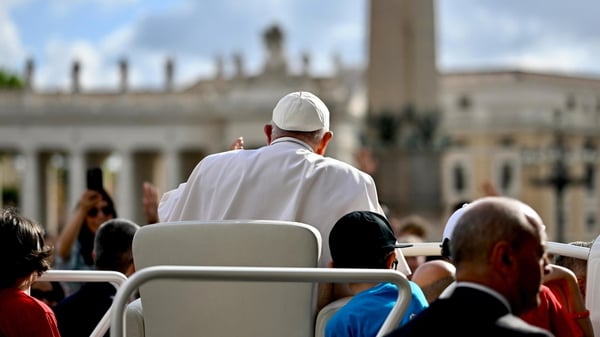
x=268 y=129
x=322 y=146
x=502 y=257
x=391 y=261
x=130 y=269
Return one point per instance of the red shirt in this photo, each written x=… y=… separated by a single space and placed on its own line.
x=551 y=315
x=24 y=316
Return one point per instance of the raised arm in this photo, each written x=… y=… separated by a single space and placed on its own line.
x=563 y=283
x=238 y=144
x=67 y=236
x=150 y=197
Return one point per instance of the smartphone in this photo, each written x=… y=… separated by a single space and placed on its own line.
x=94 y=179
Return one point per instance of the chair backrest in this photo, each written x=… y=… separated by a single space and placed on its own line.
x=227 y=308
x=592 y=297
x=134 y=318
x=326 y=313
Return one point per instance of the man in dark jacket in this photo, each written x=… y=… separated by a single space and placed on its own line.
x=498 y=248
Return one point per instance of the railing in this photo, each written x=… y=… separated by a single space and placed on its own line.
x=115 y=278
x=126 y=288
x=433 y=248
x=268 y=274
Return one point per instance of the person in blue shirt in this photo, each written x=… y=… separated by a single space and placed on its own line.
x=364 y=239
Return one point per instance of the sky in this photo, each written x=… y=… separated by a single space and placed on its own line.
x=538 y=35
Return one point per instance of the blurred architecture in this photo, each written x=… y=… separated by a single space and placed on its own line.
x=403 y=111
x=437 y=137
x=502 y=127
x=48 y=140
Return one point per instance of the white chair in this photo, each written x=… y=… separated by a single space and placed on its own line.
x=115 y=278
x=278 y=324
x=181 y=308
x=134 y=319
x=326 y=313
x=592 y=297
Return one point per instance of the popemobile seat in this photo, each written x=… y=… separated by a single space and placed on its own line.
x=326 y=313
x=227 y=308
x=592 y=298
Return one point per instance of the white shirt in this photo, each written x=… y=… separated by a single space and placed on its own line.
x=283 y=181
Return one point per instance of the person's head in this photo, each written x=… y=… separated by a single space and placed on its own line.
x=48 y=292
x=301 y=115
x=449 y=228
x=413 y=261
x=363 y=239
x=578 y=266
x=459 y=204
x=23 y=252
x=112 y=246
x=500 y=242
x=433 y=277
x=103 y=210
x=413 y=224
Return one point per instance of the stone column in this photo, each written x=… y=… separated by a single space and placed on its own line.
x=125 y=182
x=28 y=76
x=219 y=68
x=169 y=74
x=305 y=64
x=238 y=62
x=75 y=73
x=2 y=165
x=77 y=177
x=30 y=180
x=276 y=61
x=338 y=64
x=123 y=75
x=172 y=168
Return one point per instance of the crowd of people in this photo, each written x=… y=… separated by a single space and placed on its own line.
x=492 y=278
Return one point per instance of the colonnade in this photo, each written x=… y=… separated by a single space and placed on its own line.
x=50 y=182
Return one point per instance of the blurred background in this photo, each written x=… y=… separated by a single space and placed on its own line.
x=441 y=101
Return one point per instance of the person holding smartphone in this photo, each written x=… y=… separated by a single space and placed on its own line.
x=76 y=241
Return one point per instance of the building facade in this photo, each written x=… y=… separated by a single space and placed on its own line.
x=533 y=136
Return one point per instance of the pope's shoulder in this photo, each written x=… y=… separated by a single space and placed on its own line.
x=320 y=162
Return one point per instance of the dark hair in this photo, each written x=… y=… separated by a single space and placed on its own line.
x=22 y=248
x=52 y=296
x=446 y=248
x=86 y=237
x=112 y=245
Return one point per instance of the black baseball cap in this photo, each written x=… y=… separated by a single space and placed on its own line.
x=361 y=239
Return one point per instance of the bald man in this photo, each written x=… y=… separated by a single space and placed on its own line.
x=499 y=250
